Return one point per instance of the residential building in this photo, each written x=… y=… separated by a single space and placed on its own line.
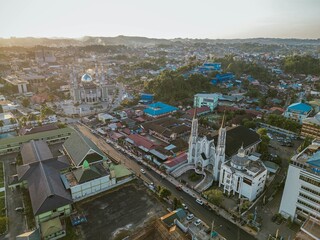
x=311 y=127
x=301 y=195
x=298 y=111
x=206 y=99
x=9 y=122
x=243 y=176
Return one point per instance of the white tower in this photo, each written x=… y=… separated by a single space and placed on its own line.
x=220 y=150
x=193 y=139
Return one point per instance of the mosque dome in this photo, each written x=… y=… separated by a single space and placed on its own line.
x=86 y=78
x=240 y=161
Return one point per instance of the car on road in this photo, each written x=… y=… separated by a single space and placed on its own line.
x=199 y=201
x=19 y=209
x=197 y=222
x=179 y=188
x=142 y=171
x=184 y=206
x=190 y=217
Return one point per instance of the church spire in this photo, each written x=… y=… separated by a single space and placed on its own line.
x=102 y=80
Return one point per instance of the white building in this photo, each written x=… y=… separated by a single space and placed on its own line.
x=204 y=99
x=301 y=195
x=8 y=122
x=243 y=176
x=88 y=90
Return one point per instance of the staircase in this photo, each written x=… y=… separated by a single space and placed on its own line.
x=205 y=183
x=182 y=169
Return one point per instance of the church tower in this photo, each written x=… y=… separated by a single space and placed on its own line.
x=193 y=138
x=220 y=150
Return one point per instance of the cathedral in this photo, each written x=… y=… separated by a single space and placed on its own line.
x=88 y=90
x=203 y=154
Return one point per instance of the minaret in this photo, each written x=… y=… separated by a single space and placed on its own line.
x=96 y=72
x=193 y=138
x=220 y=149
x=103 y=86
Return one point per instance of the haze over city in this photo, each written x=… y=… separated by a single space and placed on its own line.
x=161 y=19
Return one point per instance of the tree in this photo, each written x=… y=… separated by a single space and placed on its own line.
x=3 y=224
x=25 y=102
x=164 y=193
x=214 y=196
x=262 y=131
x=1 y=125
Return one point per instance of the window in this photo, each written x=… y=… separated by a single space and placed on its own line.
x=310 y=190
x=309 y=180
x=247 y=181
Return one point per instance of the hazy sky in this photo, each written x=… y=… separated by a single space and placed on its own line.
x=161 y=18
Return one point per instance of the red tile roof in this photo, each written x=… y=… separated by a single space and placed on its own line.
x=199 y=110
x=142 y=141
x=177 y=160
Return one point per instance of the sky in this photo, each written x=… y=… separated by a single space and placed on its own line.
x=161 y=19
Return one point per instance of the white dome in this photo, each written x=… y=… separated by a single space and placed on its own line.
x=86 y=78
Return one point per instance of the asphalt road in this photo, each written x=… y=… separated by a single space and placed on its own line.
x=224 y=227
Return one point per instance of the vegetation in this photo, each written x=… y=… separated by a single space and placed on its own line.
x=301 y=65
x=263 y=145
x=25 y=102
x=283 y=122
x=163 y=192
x=214 y=196
x=3 y=224
x=307 y=141
x=193 y=177
x=171 y=87
x=28 y=209
x=242 y=67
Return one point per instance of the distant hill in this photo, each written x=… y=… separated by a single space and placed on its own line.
x=143 y=41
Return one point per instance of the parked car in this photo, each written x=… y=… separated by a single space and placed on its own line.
x=179 y=188
x=184 y=206
x=190 y=217
x=197 y=222
x=199 y=201
x=142 y=171
x=19 y=209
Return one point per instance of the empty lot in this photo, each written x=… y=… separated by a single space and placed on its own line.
x=120 y=210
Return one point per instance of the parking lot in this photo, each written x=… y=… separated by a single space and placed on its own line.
x=119 y=211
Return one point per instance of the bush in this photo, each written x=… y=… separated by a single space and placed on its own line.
x=3 y=224
x=214 y=196
x=194 y=177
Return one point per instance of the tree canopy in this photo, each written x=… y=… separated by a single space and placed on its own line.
x=301 y=65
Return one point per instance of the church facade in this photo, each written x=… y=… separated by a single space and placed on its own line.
x=204 y=154
x=88 y=90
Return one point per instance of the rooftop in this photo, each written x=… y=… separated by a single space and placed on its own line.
x=301 y=108
x=159 y=108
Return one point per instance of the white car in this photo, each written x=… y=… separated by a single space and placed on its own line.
x=199 y=201
x=184 y=206
x=142 y=171
x=197 y=222
x=190 y=217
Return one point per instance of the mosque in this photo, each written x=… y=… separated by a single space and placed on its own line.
x=89 y=89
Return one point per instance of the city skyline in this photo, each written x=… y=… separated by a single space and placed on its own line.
x=165 y=19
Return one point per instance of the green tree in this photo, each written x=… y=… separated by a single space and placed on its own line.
x=25 y=102
x=214 y=196
x=164 y=193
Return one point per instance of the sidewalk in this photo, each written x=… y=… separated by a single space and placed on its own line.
x=196 y=195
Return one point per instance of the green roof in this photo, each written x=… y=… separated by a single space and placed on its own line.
x=36 y=136
x=78 y=146
x=121 y=171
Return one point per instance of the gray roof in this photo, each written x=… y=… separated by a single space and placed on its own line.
x=35 y=151
x=78 y=146
x=43 y=176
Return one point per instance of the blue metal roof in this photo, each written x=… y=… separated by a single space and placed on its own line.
x=315 y=160
x=159 y=108
x=301 y=108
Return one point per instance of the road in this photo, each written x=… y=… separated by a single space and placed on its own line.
x=224 y=227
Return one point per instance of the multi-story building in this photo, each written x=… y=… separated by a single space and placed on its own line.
x=301 y=195
x=206 y=99
x=298 y=111
x=243 y=175
x=311 y=127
